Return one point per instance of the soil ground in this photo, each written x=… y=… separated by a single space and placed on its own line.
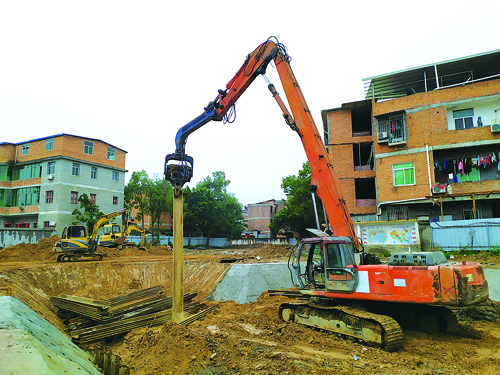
x=248 y=338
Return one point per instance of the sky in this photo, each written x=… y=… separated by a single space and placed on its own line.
x=131 y=73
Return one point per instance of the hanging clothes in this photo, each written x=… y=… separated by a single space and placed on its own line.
x=468 y=165
x=460 y=165
x=475 y=161
x=487 y=161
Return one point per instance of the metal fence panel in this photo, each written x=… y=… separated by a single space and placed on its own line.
x=481 y=234
x=217 y=242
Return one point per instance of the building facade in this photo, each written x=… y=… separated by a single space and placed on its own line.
x=42 y=179
x=424 y=144
x=259 y=216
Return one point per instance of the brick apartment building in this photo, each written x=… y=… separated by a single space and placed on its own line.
x=41 y=180
x=260 y=215
x=165 y=225
x=425 y=143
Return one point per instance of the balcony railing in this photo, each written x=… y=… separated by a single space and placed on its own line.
x=393 y=128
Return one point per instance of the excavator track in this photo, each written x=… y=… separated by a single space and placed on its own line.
x=373 y=329
x=79 y=257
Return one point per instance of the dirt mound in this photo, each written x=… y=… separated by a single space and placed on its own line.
x=489 y=310
x=268 y=252
x=159 y=250
x=133 y=251
x=25 y=252
x=176 y=349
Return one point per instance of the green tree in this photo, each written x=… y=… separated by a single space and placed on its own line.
x=191 y=210
x=211 y=210
x=149 y=197
x=135 y=194
x=298 y=212
x=160 y=199
x=90 y=214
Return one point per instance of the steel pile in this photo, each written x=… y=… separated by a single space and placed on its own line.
x=89 y=320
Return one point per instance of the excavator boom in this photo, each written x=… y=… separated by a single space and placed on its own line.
x=179 y=166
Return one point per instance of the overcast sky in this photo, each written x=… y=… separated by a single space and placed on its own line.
x=131 y=73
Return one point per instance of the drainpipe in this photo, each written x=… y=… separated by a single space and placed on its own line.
x=437 y=77
x=428 y=168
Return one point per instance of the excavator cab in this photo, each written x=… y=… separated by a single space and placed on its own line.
x=325 y=263
x=75 y=232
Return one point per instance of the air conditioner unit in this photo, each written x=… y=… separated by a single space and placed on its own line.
x=439 y=189
x=382 y=137
x=50 y=177
x=495 y=127
x=52 y=223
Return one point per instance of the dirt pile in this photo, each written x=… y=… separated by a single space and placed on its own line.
x=24 y=252
x=251 y=339
x=174 y=349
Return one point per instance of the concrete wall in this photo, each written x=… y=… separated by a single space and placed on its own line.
x=9 y=237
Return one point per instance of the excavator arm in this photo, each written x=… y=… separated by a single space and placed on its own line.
x=179 y=166
x=128 y=230
x=255 y=64
x=100 y=222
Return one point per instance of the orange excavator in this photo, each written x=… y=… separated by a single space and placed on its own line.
x=368 y=302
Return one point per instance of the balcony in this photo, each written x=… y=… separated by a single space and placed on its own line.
x=392 y=129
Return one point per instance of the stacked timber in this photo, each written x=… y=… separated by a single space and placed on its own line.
x=90 y=320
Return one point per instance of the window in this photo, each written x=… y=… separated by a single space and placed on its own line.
x=93 y=198
x=76 y=169
x=22 y=225
x=7 y=225
x=49 y=144
x=88 y=147
x=115 y=200
x=35 y=224
x=468 y=212
x=74 y=197
x=111 y=153
x=115 y=175
x=51 y=167
x=403 y=174
x=464 y=119
x=26 y=196
x=395 y=213
x=49 y=196
x=46 y=224
x=27 y=171
x=93 y=173
x=26 y=148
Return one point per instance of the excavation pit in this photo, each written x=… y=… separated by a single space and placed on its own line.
x=244 y=337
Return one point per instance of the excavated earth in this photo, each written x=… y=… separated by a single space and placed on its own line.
x=237 y=338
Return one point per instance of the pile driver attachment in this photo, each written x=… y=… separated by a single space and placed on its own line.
x=178 y=173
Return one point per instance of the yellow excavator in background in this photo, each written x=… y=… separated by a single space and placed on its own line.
x=75 y=246
x=113 y=236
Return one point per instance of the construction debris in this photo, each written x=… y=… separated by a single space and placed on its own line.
x=89 y=320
